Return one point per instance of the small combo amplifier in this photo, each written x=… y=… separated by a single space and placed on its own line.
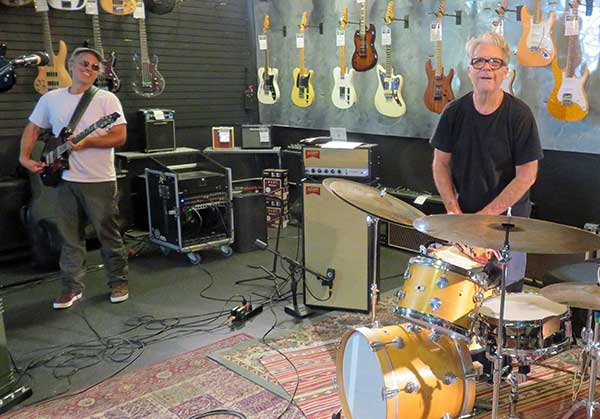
x=362 y=163
x=157 y=127
x=256 y=136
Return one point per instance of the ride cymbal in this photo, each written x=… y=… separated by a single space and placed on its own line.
x=574 y=294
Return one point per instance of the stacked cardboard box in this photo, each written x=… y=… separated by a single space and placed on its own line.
x=277 y=191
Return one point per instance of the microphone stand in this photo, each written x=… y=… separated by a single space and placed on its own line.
x=296 y=309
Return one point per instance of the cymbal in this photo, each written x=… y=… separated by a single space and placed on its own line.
x=574 y=294
x=526 y=234
x=373 y=201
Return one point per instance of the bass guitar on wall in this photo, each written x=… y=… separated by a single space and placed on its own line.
x=303 y=93
x=268 y=89
x=343 y=94
x=118 y=7
x=148 y=80
x=536 y=46
x=107 y=78
x=388 y=98
x=568 y=100
x=365 y=54
x=439 y=90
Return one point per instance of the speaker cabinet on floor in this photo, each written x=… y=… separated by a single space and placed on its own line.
x=250 y=220
x=336 y=236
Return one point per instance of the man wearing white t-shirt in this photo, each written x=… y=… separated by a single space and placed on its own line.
x=89 y=185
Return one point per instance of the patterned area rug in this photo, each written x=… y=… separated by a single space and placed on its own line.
x=177 y=388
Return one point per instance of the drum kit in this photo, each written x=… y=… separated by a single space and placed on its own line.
x=421 y=368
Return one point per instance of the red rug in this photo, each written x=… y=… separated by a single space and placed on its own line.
x=546 y=394
x=177 y=388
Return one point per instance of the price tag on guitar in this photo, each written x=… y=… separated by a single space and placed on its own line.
x=340 y=38
x=571 y=24
x=299 y=40
x=435 y=32
x=498 y=27
x=140 y=11
x=41 y=5
x=91 y=7
x=386 y=36
x=262 y=42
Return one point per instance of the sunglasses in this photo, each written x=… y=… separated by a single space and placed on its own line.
x=86 y=64
x=479 y=63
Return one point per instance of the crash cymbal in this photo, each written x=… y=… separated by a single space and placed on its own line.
x=574 y=294
x=373 y=201
x=526 y=234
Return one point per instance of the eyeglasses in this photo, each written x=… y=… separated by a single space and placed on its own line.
x=479 y=63
x=86 y=64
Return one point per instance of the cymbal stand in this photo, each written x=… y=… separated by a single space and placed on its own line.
x=373 y=229
x=593 y=347
x=497 y=358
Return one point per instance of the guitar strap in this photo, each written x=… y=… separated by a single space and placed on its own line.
x=85 y=100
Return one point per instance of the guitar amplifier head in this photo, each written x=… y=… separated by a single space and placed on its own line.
x=256 y=136
x=157 y=128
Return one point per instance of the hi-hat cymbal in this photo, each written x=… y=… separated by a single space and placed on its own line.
x=373 y=201
x=574 y=294
x=526 y=234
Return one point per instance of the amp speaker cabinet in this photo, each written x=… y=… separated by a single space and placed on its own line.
x=157 y=127
x=250 y=221
x=336 y=236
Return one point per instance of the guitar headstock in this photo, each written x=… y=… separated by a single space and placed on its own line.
x=389 y=14
x=266 y=23
x=108 y=119
x=502 y=8
x=441 y=11
x=574 y=6
x=304 y=21
x=344 y=19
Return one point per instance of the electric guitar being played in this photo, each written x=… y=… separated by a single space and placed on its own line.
x=107 y=78
x=439 y=90
x=536 y=46
x=568 y=100
x=55 y=74
x=268 y=89
x=365 y=54
x=343 y=94
x=498 y=27
x=148 y=81
x=388 y=98
x=303 y=93
x=118 y=7
x=56 y=151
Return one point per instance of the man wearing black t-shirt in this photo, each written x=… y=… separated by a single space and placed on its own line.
x=487 y=146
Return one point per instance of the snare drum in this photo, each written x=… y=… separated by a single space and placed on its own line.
x=400 y=372
x=534 y=326
x=441 y=295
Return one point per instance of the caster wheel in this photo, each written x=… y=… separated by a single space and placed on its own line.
x=165 y=250
x=194 y=258
x=226 y=250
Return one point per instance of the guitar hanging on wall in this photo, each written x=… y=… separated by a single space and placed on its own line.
x=302 y=93
x=343 y=94
x=536 y=46
x=568 y=100
x=15 y=3
x=161 y=7
x=498 y=27
x=268 y=89
x=55 y=74
x=365 y=54
x=439 y=90
x=118 y=7
x=148 y=80
x=388 y=97
x=107 y=78
x=67 y=4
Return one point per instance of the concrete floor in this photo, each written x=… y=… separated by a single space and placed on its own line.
x=160 y=286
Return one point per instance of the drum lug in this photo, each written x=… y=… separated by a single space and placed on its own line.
x=334 y=382
x=389 y=392
x=481 y=278
x=449 y=378
x=398 y=342
x=412 y=328
x=411 y=387
x=478 y=297
x=400 y=294
x=434 y=336
x=442 y=282
x=407 y=274
x=435 y=303
x=376 y=346
x=447 y=416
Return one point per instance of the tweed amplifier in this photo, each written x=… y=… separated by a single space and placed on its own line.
x=362 y=163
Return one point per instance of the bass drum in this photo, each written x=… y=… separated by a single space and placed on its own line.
x=404 y=372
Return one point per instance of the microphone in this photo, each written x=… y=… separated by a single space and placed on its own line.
x=32 y=60
x=260 y=244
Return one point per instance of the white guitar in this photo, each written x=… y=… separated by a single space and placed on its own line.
x=268 y=89
x=67 y=4
x=343 y=94
x=388 y=97
x=498 y=27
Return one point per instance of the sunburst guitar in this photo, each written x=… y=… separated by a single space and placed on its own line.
x=303 y=93
x=343 y=94
x=388 y=97
x=365 y=54
x=568 y=100
x=268 y=88
x=54 y=75
x=536 y=46
x=118 y=7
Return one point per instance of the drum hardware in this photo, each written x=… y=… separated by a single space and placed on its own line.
x=373 y=223
x=413 y=328
x=435 y=303
x=442 y=282
x=420 y=320
x=449 y=379
x=434 y=336
x=397 y=343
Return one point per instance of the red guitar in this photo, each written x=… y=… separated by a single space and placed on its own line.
x=365 y=55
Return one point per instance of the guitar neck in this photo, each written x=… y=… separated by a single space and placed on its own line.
x=342 y=61
x=363 y=20
x=302 y=68
x=97 y=38
x=267 y=60
x=537 y=11
x=47 y=36
x=573 y=52
x=145 y=57
x=388 y=59
x=438 y=59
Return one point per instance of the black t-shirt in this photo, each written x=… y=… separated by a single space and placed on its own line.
x=486 y=148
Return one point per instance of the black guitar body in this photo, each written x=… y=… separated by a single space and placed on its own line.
x=160 y=7
x=52 y=173
x=7 y=71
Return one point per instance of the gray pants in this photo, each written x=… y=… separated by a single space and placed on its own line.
x=97 y=202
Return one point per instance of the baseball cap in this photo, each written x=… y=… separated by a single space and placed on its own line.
x=82 y=50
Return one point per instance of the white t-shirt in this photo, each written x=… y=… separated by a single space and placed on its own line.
x=54 y=110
